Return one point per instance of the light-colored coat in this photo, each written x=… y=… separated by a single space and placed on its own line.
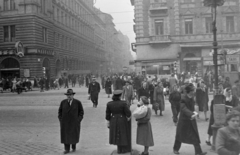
x=128 y=93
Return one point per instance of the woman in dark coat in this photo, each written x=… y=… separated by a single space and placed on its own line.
x=202 y=99
x=118 y=116
x=108 y=87
x=187 y=131
x=144 y=128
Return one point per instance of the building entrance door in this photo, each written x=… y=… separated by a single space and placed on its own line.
x=46 y=68
x=10 y=68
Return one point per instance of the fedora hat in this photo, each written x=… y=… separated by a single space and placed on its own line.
x=69 y=92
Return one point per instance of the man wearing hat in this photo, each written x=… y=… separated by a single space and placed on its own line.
x=128 y=93
x=70 y=115
x=93 y=91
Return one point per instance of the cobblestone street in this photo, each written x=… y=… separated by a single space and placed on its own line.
x=29 y=126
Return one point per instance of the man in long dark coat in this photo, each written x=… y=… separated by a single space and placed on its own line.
x=93 y=91
x=70 y=115
x=187 y=131
x=119 y=84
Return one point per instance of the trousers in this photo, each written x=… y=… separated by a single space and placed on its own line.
x=67 y=147
x=177 y=146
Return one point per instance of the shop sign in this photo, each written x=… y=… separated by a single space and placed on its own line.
x=26 y=73
x=192 y=59
x=165 y=68
x=232 y=59
x=210 y=63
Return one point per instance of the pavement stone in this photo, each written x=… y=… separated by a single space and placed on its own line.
x=29 y=125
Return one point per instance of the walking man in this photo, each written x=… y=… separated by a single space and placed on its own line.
x=93 y=91
x=70 y=115
x=128 y=93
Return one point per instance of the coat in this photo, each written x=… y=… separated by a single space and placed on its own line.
x=234 y=102
x=94 y=89
x=108 y=87
x=202 y=99
x=119 y=84
x=144 y=130
x=158 y=97
x=228 y=143
x=187 y=131
x=70 y=118
x=236 y=91
x=143 y=92
x=119 y=130
x=128 y=93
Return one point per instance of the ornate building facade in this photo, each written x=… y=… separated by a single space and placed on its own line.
x=169 y=31
x=59 y=36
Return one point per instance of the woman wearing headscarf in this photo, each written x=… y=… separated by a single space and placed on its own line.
x=231 y=100
x=228 y=137
x=118 y=116
x=144 y=128
x=187 y=130
x=158 y=98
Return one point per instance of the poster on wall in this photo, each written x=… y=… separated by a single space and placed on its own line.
x=26 y=73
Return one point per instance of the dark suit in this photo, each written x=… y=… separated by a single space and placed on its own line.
x=93 y=91
x=70 y=118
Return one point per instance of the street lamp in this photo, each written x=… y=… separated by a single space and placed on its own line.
x=214 y=4
x=218 y=99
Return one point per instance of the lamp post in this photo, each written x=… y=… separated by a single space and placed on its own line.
x=218 y=99
x=214 y=4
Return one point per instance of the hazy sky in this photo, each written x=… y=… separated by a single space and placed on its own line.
x=122 y=12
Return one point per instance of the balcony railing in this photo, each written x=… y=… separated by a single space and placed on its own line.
x=205 y=37
x=160 y=39
x=158 y=6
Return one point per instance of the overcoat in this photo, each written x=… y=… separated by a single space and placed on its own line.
x=108 y=87
x=119 y=84
x=70 y=118
x=202 y=99
x=158 y=97
x=94 y=89
x=117 y=113
x=143 y=92
x=128 y=94
x=144 y=130
x=187 y=131
x=228 y=141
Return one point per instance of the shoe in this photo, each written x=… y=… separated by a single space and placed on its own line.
x=207 y=119
x=156 y=112
x=203 y=153
x=144 y=153
x=65 y=152
x=208 y=143
x=161 y=114
x=73 y=150
x=175 y=152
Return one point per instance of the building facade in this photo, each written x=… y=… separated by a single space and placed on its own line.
x=59 y=36
x=169 y=31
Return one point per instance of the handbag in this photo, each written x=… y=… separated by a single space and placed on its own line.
x=140 y=112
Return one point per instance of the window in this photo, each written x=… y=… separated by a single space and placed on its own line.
x=208 y=24
x=9 y=5
x=54 y=15
x=43 y=6
x=9 y=33
x=187 y=1
x=188 y=26
x=44 y=35
x=58 y=15
x=62 y=18
x=159 y=27
x=230 y=24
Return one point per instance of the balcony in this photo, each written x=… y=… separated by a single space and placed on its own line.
x=160 y=39
x=205 y=37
